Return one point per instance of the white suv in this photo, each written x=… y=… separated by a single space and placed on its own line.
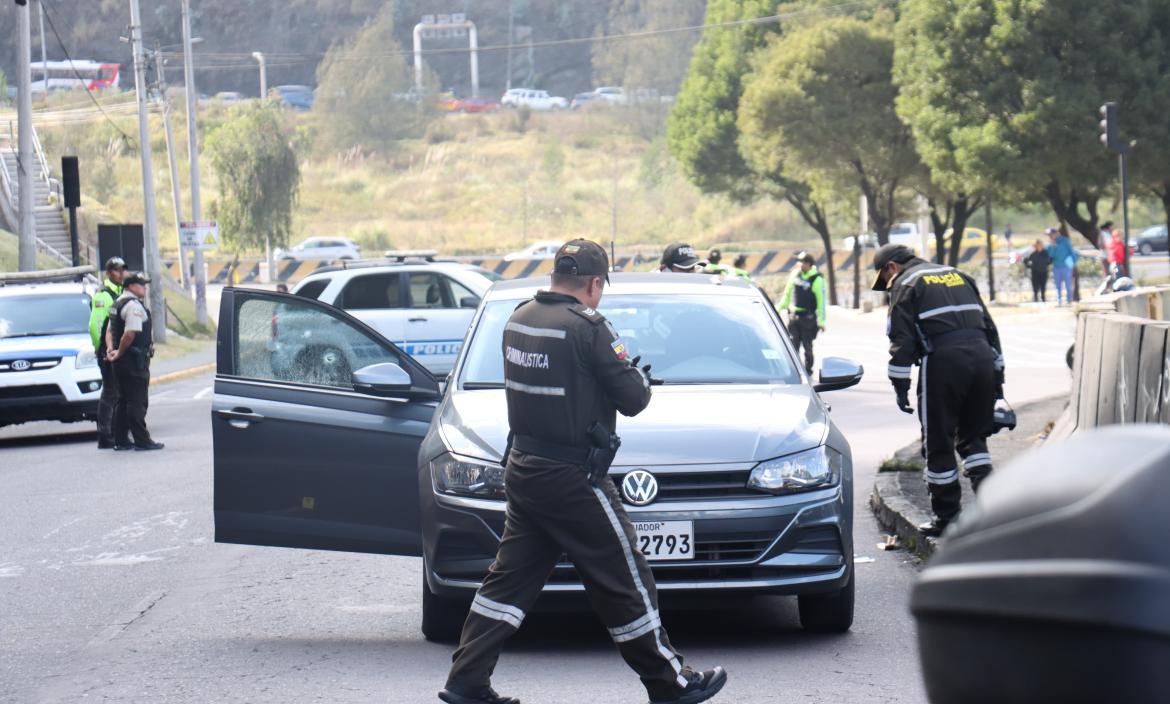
x=48 y=370
x=533 y=99
x=321 y=248
x=425 y=308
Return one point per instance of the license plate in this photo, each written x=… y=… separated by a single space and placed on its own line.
x=666 y=540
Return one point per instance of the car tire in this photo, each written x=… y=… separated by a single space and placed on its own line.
x=1146 y=249
x=828 y=613
x=442 y=618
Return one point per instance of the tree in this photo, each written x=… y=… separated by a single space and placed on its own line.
x=259 y=177
x=703 y=134
x=1002 y=95
x=656 y=63
x=819 y=103
x=1150 y=157
x=363 y=100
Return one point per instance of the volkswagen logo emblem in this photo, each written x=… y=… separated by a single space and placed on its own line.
x=639 y=487
x=21 y=365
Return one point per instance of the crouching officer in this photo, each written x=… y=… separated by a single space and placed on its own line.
x=131 y=347
x=804 y=299
x=566 y=375
x=100 y=307
x=938 y=321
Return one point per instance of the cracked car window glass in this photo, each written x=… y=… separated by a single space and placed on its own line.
x=302 y=344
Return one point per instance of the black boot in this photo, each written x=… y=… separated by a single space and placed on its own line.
x=487 y=695
x=934 y=528
x=701 y=686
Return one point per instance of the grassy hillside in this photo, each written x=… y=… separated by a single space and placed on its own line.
x=10 y=254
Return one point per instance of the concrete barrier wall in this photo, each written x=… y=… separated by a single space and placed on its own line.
x=1121 y=372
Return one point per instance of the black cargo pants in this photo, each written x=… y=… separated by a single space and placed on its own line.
x=107 y=402
x=956 y=406
x=553 y=509
x=133 y=400
x=802 y=328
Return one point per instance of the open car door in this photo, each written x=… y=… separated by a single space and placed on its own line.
x=316 y=426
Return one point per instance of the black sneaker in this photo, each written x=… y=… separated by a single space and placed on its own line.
x=120 y=448
x=106 y=445
x=701 y=687
x=150 y=446
x=487 y=695
x=933 y=529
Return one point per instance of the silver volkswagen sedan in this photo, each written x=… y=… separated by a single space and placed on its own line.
x=735 y=476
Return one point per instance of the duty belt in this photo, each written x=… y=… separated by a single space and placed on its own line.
x=569 y=454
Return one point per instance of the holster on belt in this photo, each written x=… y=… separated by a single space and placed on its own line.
x=603 y=448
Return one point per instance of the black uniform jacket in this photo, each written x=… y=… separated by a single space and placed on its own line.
x=928 y=301
x=565 y=367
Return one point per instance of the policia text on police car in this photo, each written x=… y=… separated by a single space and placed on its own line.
x=937 y=320
x=566 y=375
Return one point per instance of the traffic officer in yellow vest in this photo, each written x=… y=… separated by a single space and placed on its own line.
x=714 y=257
x=938 y=321
x=804 y=299
x=100 y=306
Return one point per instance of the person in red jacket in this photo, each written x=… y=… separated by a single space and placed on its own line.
x=1117 y=252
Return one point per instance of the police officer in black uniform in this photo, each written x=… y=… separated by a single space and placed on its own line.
x=938 y=321
x=567 y=374
x=133 y=346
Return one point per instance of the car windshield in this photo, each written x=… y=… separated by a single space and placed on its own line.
x=45 y=314
x=687 y=339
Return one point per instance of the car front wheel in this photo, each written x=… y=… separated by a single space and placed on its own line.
x=442 y=618
x=828 y=613
x=1147 y=249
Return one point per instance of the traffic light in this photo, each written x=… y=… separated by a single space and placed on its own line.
x=1109 y=127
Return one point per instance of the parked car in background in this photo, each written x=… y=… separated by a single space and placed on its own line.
x=581 y=100
x=321 y=248
x=906 y=233
x=868 y=239
x=1153 y=239
x=611 y=95
x=295 y=97
x=423 y=307
x=446 y=102
x=477 y=104
x=972 y=237
x=540 y=250
x=229 y=97
x=533 y=99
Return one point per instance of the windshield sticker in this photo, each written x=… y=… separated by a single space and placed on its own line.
x=771 y=354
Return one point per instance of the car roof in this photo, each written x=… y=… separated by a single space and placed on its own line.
x=625 y=283
x=16 y=290
x=372 y=268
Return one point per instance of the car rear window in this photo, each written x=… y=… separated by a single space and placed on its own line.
x=44 y=314
x=687 y=339
x=372 y=292
x=313 y=289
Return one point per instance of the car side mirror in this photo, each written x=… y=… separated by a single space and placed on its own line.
x=384 y=379
x=838 y=373
x=469 y=302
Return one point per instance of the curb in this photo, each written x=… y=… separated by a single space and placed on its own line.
x=898 y=515
x=182 y=374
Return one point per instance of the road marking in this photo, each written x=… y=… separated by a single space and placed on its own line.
x=204 y=393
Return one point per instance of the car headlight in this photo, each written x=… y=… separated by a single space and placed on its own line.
x=813 y=469
x=86 y=358
x=468 y=478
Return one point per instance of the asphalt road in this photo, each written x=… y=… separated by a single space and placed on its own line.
x=111 y=588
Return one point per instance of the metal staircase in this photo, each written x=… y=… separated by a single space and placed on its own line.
x=52 y=230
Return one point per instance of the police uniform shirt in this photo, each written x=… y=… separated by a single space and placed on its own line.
x=565 y=367
x=133 y=313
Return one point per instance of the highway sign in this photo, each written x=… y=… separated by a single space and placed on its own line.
x=201 y=235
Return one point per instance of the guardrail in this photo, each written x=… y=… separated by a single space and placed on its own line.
x=1121 y=367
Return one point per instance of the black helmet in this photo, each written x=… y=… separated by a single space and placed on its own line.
x=115 y=263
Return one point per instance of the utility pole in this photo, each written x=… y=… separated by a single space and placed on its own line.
x=511 y=20
x=28 y=228
x=1111 y=138
x=172 y=159
x=259 y=56
x=193 y=154
x=158 y=305
x=990 y=249
x=44 y=52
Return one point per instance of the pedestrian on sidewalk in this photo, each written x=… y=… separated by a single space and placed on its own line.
x=938 y=321
x=804 y=300
x=132 y=347
x=1037 y=263
x=566 y=375
x=1064 y=258
x=100 y=306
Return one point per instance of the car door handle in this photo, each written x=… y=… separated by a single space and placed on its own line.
x=417 y=320
x=240 y=417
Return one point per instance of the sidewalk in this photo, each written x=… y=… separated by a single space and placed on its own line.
x=900 y=499
x=199 y=361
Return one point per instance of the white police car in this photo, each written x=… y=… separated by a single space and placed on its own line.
x=424 y=307
x=48 y=369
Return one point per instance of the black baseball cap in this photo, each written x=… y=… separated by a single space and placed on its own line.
x=714 y=256
x=899 y=253
x=115 y=263
x=583 y=258
x=137 y=277
x=681 y=255
x=806 y=257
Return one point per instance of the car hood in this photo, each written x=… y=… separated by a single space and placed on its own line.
x=682 y=425
x=45 y=345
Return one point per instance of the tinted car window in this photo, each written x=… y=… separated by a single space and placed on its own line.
x=299 y=343
x=458 y=292
x=313 y=289
x=688 y=339
x=50 y=314
x=372 y=292
x=427 y=291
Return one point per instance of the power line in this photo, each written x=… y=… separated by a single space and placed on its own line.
x=84 y=83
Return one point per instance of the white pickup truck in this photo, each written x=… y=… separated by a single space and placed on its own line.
x=533 y=100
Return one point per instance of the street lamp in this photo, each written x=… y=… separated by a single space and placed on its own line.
x=259 y=56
